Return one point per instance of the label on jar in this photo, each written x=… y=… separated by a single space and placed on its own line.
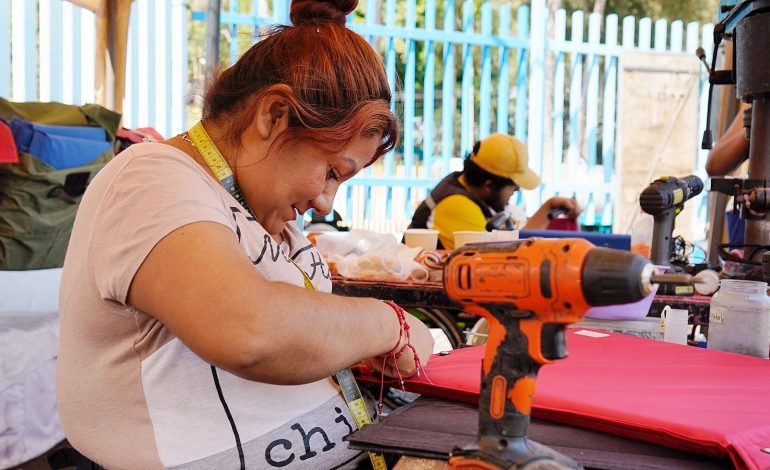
x=716 y=317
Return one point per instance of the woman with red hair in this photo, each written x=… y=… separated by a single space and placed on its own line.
x=197 y=325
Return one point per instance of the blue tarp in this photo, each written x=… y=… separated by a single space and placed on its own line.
x=60 y=147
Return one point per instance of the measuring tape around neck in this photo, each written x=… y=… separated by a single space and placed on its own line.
x=216 y=162
x=218 y=165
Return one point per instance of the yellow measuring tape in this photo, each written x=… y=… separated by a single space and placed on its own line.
x=216 y=162
x=352 y=395
x=218 y=165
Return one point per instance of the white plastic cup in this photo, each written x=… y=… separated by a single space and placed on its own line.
x=674 y=323
x=505 y=235
x=463 y=237
x=424 y=238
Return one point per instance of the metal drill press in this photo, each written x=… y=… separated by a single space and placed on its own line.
x=747 y=23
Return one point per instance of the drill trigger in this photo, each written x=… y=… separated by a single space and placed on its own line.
x=532 y=329
x=554 y=341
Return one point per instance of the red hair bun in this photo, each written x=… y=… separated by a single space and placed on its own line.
x=305 y=12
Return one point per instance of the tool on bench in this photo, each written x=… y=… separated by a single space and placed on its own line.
x=664 y=199
x=557 y=212
x=529 y=291
x=500 y=221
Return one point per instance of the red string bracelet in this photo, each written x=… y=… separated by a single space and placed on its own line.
x=403 y=332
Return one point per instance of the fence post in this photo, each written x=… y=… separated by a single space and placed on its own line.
x=485 y=89
x=429 y=94
x=178 y=121
x=521 y=104
x=24 y=31
x=503 y=88
x=50 y=50
x=575 y=95
x=467 y=100
x=539 y=16
x=409 y=99
x=447 y=89
x=5 y=48
x=557 y=113
x=609 y=119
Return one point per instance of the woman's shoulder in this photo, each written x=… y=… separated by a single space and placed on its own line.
x=151 y=174
x=155 y=162
x=158 y=153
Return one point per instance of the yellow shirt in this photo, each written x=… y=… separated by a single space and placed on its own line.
x=456 y=213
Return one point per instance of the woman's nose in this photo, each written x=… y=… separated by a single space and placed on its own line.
x=322 y=204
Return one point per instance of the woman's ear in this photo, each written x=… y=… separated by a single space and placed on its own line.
x=272 y=114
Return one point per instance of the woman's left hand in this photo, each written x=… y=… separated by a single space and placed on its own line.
x=405 y=365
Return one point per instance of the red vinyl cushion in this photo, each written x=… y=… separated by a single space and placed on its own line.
x=697 y=400
x=8 y=152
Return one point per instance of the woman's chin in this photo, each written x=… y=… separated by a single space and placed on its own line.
x=275 y=228
x=274 y=225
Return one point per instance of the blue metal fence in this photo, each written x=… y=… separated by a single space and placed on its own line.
x=500 y=70
x=458 y=73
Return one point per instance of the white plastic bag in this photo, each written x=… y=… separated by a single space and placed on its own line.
x=363 y=254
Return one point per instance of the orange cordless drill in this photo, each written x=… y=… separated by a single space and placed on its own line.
x=529 y=290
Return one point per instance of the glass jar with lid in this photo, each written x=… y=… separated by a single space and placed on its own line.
x=739 y=318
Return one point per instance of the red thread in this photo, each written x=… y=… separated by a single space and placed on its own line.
x=396 y=354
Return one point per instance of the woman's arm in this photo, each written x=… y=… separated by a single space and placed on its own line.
x=199 y=283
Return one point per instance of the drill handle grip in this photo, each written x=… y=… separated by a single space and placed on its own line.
x=661 y=237
x=511 y=362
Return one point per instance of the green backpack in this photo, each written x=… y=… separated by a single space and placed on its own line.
x=37 y=203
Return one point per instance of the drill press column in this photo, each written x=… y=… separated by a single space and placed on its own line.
x=753 y=84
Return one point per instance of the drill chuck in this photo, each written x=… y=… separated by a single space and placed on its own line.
x=615 y=277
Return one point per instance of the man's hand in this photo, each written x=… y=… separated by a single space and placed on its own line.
x=539 y=219
x=569 y=205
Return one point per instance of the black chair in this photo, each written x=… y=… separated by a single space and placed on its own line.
x=68 y=457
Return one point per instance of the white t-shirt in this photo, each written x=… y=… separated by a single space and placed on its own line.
x=130 y=393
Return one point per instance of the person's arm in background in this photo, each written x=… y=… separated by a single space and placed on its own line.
x=731 y=149
x=539 y=219
x=457 y=213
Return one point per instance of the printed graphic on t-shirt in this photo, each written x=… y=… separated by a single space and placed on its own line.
x=306 y=257
x=190 y=422
x=315 y=440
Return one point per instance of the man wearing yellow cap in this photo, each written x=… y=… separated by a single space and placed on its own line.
x=495 y=169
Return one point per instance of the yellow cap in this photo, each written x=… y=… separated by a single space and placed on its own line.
x=506 y=156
